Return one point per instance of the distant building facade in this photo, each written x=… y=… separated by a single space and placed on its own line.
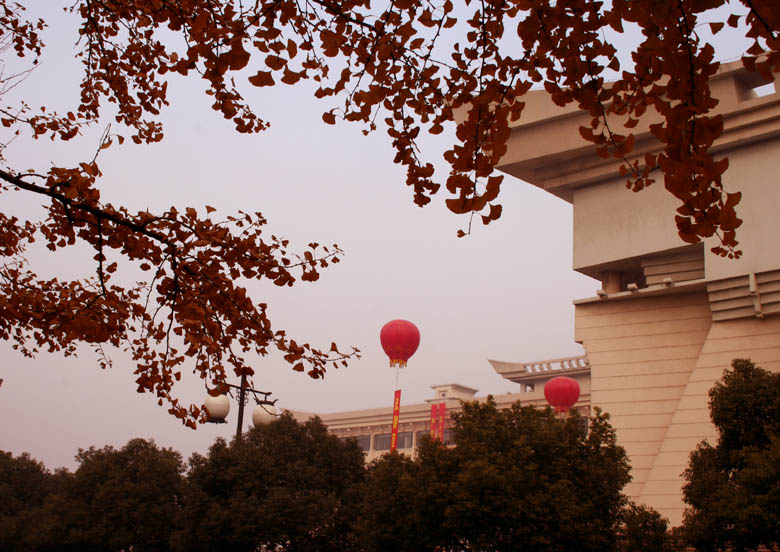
x=372 y=427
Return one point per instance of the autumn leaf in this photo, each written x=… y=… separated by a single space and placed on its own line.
x=262 y=78
x=275 y=62
x=239 y=57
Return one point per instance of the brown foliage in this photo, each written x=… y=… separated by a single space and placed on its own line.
x=390 y=69
x=192 y=310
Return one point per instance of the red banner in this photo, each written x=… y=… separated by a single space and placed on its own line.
x=442 y=415
x=434 y=423
x=396 y=414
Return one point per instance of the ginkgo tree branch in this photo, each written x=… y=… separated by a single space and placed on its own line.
x=770 y=31
x=193 y=286
x=687 y=33
x=86 y=207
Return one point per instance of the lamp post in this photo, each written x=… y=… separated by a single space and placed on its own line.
x=219 y=406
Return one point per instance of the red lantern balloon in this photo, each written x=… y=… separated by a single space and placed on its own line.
x=561 y=392
x=400 y=339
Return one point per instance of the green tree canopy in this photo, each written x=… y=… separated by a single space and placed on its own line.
x=285 y=486
x=643 y=528
x=25 y=484
x=733 y=487
x=115 y=500
x=517 y=479
x=123 y=498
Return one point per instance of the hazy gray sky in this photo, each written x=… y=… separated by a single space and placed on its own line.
x=503 y=293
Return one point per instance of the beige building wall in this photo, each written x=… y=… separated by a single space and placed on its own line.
x=612 y=224
x=757 y=339
x=642 y=353
x=755 y=173
x=667 y=318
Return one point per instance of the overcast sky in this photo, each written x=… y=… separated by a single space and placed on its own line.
x=503 y=293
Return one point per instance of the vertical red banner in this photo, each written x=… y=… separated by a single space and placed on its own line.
x=442 y=415
x=396 y=414
x=434 y=422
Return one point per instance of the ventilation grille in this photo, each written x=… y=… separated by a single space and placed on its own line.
x=745 y=296
x=682 y=266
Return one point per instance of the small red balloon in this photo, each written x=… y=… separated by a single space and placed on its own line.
x=400 y=339
x=561 y=392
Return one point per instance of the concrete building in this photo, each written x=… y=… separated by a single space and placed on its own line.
x=668 y=317
x=372 y=427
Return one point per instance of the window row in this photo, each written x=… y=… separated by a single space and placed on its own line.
x=381 y=441
x=406 y=440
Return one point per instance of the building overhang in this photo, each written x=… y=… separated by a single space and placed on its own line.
x=531 y=372
x=546 y=149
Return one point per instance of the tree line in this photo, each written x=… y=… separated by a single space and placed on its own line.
x=516 y=479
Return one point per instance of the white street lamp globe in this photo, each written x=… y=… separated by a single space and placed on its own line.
x=263 y=414
x=217 y=408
